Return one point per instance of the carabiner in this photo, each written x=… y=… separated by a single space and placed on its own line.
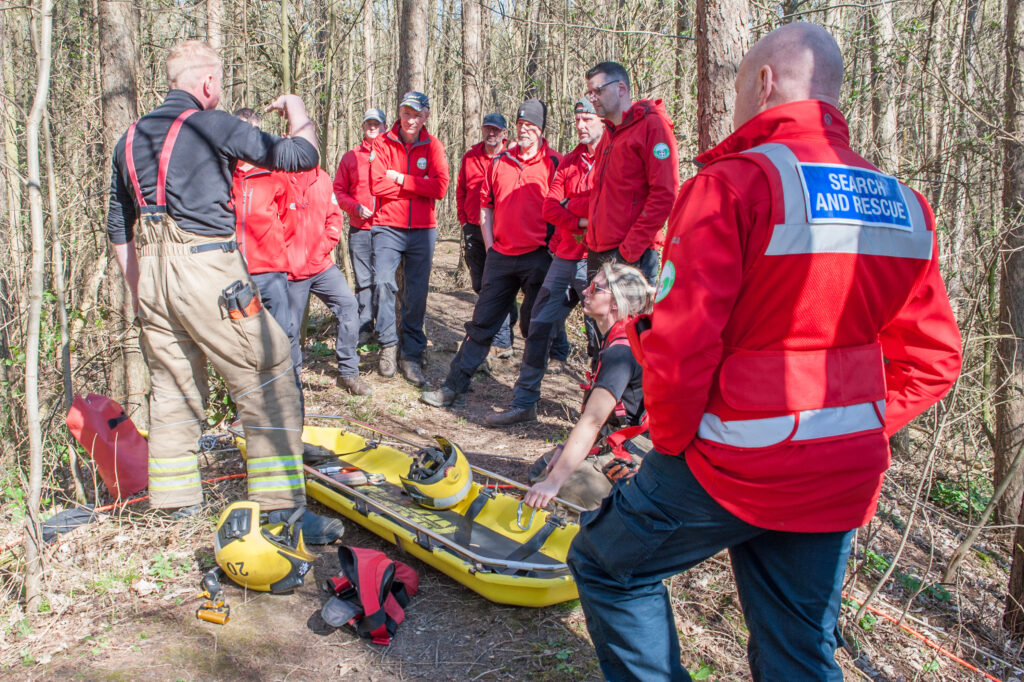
x=519 y=516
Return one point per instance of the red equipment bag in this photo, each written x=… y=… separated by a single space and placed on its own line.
x=377 y=589
x=110 y=438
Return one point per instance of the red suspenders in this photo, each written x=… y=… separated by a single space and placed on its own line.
x=165 y=159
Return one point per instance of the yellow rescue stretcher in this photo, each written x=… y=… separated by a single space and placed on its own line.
x=490 y=542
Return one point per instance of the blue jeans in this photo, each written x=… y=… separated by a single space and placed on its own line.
x=413 y=250
x=662 y=522
x=503 y=277
x=331 y=288
x=554 y=303
x=273 y=288
x=360 y=247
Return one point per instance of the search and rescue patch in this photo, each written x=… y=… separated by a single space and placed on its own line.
x=843 y=194
x=373 y=155
x=421 y=164
x=661 y=151
x=665 y=282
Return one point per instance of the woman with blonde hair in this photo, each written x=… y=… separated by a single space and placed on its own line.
x=613 y=399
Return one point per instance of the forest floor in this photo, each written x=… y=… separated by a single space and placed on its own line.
x=122 y=591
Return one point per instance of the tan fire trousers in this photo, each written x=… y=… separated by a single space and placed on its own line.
x=184 y=324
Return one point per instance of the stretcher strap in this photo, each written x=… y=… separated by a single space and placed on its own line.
x=464 y=534
x=533 y=545
x=165 y=156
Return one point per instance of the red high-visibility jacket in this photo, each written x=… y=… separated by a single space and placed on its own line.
x=425 y=167
x=471 y=176
x=571 y=184
x=635 y=181
x=514 y=188
x=800 y=320
x=260 y=200
x=352 y=185
x=313 y=223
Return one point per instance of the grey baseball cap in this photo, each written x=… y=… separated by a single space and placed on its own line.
x=584 y=106
x=496 y=120
x=416 y=100
x=375 y=115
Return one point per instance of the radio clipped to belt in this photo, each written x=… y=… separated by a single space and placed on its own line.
x=240 y=300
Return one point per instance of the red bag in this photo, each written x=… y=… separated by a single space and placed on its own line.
x=110 y=438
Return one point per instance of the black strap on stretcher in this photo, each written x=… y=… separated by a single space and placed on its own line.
x=464 y=534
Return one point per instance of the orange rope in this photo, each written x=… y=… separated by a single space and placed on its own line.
x=108 y=507
x=938 y=647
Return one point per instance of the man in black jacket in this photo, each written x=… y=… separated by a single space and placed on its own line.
x=172 y=225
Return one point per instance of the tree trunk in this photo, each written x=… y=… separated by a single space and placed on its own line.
x=721 y=43
x=883 y=99
x=1009 y=370
x=286 y=53
x=534 y=47
x=33 y=531
x=8 y=117
x=127 y=376
x=215 y=23
x=368 y=50
x=412 y=55
x=472 y=72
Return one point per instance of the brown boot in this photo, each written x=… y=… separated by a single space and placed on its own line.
x=387 y=364
x=412 y=370
x=356 y=385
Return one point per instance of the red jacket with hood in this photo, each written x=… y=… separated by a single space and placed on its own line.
x=571 y=185
x=471 y=176
x=352 y=185
x=774 y=311
x=313 y=223
x=635 y=181
x=515 y=188
x=260 y=198
x=425 y=167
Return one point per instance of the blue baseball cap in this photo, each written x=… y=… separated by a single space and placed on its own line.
x=416 y=100
x=496 y=120
x=375 y=115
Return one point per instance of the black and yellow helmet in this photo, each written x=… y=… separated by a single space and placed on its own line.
x=439 y=478
x=268 y=558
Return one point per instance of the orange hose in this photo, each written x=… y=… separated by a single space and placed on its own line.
x=938 y=647
x=108 y=507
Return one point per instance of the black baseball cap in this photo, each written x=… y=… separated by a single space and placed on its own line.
x=496 y=120
x=416 y=100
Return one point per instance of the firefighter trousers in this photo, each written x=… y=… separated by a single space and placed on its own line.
x=185 y=323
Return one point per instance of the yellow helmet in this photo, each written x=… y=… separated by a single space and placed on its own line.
x=267 y=558
x=438 y=478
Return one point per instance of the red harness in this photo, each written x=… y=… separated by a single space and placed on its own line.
x=165 y=159
x=377 y=587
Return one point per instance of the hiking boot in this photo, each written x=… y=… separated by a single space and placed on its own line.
x=500 y=353
x=387 y=364
x=316 y=529
x=515 y=415
x=444 y=397
x=412 y=370
x=356 y=385
x=556 y=367
x=180 y=513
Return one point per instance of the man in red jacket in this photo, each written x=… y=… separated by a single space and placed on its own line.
x=636 y=175
x=408 y=174
x=260 y=198
x=516 y=236
x=800 y=321
x=566 y=206
x=467 y=204
x=352 y=189
x=313 y=226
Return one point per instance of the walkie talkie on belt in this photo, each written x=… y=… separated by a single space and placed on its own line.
x=240 y=300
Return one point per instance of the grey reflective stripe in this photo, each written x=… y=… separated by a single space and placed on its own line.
x=827 y=422
x=798 y=236
x=452 y=500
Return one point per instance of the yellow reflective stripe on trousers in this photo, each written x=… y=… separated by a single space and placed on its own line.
x=827 y=422
x=169 y=465
x=173 y=482
x=293 y=464
x=268 y=483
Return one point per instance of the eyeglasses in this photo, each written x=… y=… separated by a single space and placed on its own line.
x=596 y=92
x=593 y=287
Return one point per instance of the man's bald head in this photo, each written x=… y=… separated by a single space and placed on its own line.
x=195 y=67
x=794 y=62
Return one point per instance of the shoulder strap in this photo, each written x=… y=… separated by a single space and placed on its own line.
x=165 y=156
x=129 y=160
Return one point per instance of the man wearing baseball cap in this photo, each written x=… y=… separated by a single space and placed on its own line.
x=467 y=202
x=352 y=189
x=408 y=174
x=512 y=195
x=566 y=206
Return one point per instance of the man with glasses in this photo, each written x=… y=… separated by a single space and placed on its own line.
x=636 y=174
x=516 y=236
x=408 y=175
